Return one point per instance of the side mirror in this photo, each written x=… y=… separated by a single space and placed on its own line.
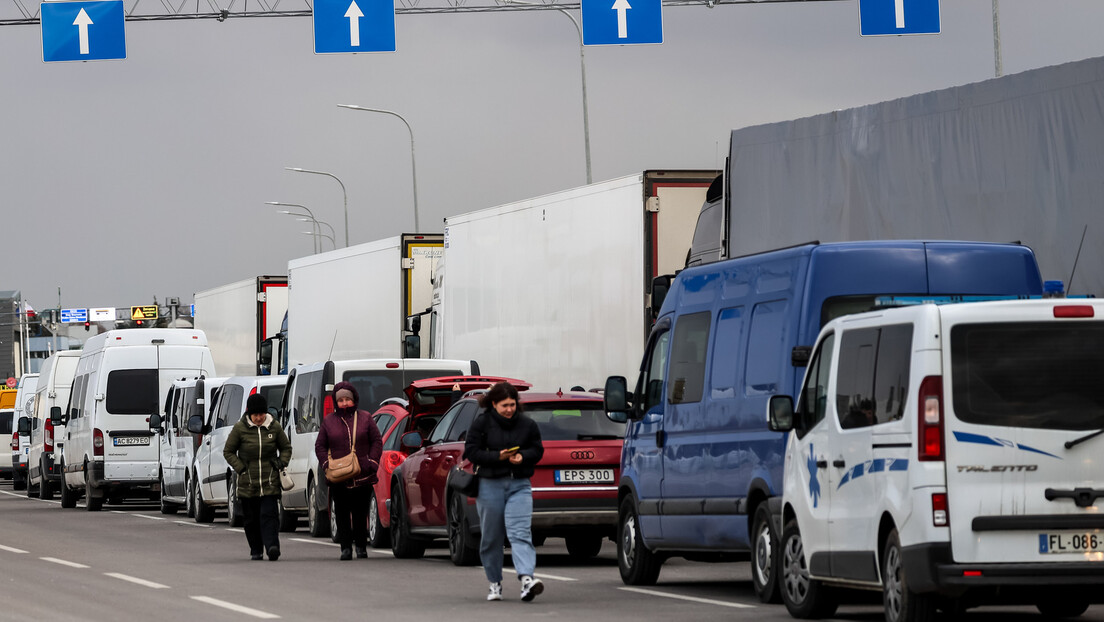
x=660 y=286
x=615 y=399
x=56 y=416
x=24 y=426
x=780 y=413
x=155 y=422
x=412 y=346
x=195 y=424
x=410 y=442
x=414 y=323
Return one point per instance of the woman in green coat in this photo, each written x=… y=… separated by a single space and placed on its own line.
x=254 y=448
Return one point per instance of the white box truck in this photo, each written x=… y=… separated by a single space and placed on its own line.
x=557 y=290
x=352 y=303
x=242 y=321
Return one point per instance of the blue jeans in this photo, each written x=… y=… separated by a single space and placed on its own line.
x=505 y=509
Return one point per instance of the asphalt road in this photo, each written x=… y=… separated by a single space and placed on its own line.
x=131 y=562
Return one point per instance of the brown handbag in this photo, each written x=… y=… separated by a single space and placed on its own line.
x=346 y=467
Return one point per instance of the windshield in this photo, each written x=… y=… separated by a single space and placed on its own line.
x=568 y=421
x=376 y=385
x=1030 y=375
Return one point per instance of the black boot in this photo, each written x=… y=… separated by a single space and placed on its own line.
x=346 y=554
x=362 y=552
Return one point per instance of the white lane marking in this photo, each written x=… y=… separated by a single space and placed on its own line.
x=119 y=512
x=63 y=562
x=191 y=524
x=256 y=613
x=8 y=492
x=145 y=516
x=707 y=601
x=11 y=549
x=541 y=575
x=235 y=529
x=156 y=586
x=314 y=541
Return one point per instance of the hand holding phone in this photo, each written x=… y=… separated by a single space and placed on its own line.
x=506 y=454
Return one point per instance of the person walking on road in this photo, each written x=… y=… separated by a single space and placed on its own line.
x=505 y=445
x=256 y=444
x=350 y=429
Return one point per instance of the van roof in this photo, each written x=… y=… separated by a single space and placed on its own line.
x=145 y=337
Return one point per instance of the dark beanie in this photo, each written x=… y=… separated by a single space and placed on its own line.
x=256 y=404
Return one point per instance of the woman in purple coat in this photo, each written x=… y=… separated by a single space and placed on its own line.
x=350 y=497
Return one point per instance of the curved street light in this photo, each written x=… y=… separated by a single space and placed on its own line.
x=318 y=243
x=333 y=234
x=413 y=167
x=325 y=235
x=343 y=194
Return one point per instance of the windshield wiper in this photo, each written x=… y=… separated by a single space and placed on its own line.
x=1077 y=441
x=597 y=437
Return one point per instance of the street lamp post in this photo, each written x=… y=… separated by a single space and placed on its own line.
x=413 y=166
x=318 y=243
x=582 y=69
x=333 y=234
x=319 y=233
x=343 y=194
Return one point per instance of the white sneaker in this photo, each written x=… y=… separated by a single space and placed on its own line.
x=530 y=587
x=495 y=592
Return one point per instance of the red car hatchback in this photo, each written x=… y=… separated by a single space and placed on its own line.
x=574 y=487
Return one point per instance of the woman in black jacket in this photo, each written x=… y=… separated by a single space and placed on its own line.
x=505 y=445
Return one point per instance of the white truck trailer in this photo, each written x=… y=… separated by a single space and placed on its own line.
x=237 y=318
x=556 y=290
x=352 y=303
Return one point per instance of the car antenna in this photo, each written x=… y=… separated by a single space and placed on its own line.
x=330 y=355
x=1069 y=283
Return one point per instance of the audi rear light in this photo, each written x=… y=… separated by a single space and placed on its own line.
x=930 y=422
x=940 y=517
x=48 y=436
x=97 y=442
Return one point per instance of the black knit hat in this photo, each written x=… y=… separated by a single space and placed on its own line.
x=256 y=404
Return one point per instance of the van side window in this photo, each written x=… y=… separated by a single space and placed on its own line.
x=650 y=390
x=307 y=402
x=725 y=359
x=766 y=331
x=813 y=401
x=76 y=396
x=891 y=375
x=688 y=349
x=873 y=375
x=229 y=406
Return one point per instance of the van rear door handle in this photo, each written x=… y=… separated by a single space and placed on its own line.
x=839 y=464
x=822 y=464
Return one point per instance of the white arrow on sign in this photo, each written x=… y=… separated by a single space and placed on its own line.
x=622 y=28
x=354 y=16
x=82 y=23
x=899 y=12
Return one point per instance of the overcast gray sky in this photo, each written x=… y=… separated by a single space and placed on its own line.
x=125 y=180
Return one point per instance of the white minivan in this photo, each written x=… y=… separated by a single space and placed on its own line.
x=185 y=399
x=215 y=481
x=121 y=381
x=21 y=436
x=47 y=436
x=949 y=456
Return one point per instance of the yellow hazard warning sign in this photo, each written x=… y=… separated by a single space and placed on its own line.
x=146 y=312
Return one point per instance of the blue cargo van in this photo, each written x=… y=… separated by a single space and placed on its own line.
x=700 y=470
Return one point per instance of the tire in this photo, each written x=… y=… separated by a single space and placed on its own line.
x=378 y=535
x=318 y=526
x=19 y=483
x=583 y=547
x=68 y=495
x=332 y=514
x=167 y=507
x=1061 y=609
x=901 y=603
x=403 y=546
x=234 y=514
x=764 y=556
x=189 y=499
x=803 y=596
x=45 y=489
x=288 y=521
x=463 y=547
x=638 y=565
x=92 y=503
x=203 y=512
x=32 y=491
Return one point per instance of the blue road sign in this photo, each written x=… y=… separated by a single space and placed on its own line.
x=71 y=316
x=622 y=22
x=83 y=31
x=898 y=17
x=344 y=26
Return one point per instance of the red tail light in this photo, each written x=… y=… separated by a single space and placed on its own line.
x=1073 y=311
x=48 y=435
x=327 y=405
x=930 y=421
x=940 y=516
x=15 y=441
x=97 y=442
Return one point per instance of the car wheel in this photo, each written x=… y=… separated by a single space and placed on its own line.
x=234 y=514
x=318 y=525
x=584 y=546
x=764 y=556
x=288 y=522
x=32 y=491
x=901 y=603
x=803 y=596
x=189 y=498
x=1062 y=608
x=45 y=489
x=332 y=514
x=638 y=565
x=378 y=535
x=203 y=512
x=19 y=482
x=463 y=548
x=92 y=503
x=167 y=507
x=403 y=546
x=68 y=495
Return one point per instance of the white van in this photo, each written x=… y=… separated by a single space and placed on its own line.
x=215 y=480
x=177 y=446
x=21 y=437
x=122 y=379
x=308 y=398
x=949 y=456
x=47 y=436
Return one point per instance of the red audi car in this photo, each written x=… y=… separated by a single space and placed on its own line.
x=574 y=487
